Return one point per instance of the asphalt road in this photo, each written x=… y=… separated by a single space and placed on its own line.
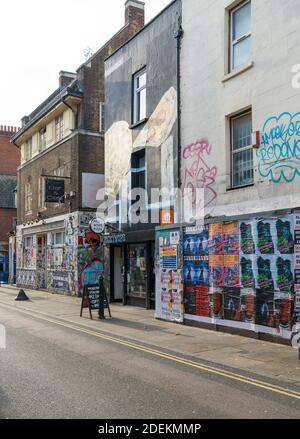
x=51 y=371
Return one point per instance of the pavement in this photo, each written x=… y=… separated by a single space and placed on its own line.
x=263 y=359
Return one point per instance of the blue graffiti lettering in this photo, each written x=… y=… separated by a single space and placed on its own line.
x=279 y=158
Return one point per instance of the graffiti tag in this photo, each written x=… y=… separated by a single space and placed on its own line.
x=279 y=157
x=197 y=174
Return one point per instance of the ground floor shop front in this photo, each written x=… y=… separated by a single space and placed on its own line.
x=131 y=268
x=60 y=254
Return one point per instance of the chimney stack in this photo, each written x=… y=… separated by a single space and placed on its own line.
x=135 y=12
x=65 y=78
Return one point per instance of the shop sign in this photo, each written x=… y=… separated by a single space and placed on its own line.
x=54 y=191
x=95 y=299
x=166 y=217
x=118 y=238
x=97 y=225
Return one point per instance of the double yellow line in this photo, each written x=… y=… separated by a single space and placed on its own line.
x=180 y=360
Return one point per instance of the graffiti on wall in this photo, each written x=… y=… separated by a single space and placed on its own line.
x=197 y=173
x=156 y=133
x=26 y=278
x=61 y=280
x=279 y=156
x=90 y=258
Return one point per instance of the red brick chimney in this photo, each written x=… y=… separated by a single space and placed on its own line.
x=8 y=131
x=135 y=13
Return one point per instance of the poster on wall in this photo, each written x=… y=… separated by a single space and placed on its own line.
x=267 y=254
x=196 y=271
x=216 y=241
x=169 y=276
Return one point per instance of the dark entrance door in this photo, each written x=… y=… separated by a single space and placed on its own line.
x=137 y=275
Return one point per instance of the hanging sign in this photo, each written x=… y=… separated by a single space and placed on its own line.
x=54 y=191
x=97 y=225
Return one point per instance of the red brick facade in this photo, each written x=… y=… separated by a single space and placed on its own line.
x=9 y=162
x=9 y=153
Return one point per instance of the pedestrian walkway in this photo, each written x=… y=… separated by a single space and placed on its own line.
x=255 y=356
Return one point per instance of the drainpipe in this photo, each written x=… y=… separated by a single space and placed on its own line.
x=178 y=34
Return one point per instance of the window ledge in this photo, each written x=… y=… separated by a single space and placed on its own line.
x=140 y=122
x=237 y=72
x=231 y=189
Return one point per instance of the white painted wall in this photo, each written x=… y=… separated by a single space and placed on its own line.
x=266 y=87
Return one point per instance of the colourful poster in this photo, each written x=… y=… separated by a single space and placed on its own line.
x=264 y=309
x=248 y=305
x=216 y=239
x=168 y=257
x=232 y=304
x=231 y=238
x=216 y=263
x=195 y=244
x=247 y=279
x=231 y=271
x=247 y=245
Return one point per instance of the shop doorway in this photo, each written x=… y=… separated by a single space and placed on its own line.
x=118 y=269
x=137 y=275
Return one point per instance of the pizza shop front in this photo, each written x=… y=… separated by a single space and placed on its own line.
x=131 y=261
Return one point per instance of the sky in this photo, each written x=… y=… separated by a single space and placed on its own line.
x=40 y=38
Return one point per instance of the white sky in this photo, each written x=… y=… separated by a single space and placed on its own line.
x=40 y=38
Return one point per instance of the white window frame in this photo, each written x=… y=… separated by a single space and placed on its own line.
x=240 y=39
x=43 y=139
x=233 y=152
x=54 y=239
x=136 y=96
x=28 y=149
x=102 y=117
x=28 y=198
x=59 y=127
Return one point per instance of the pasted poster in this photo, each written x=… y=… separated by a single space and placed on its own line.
x=267 y=254
x=169 y=276
x=231 y=238
x=231 y=271
x=196 y=271
x=248 y=305
x=170 y=295
x=216 y=239
x=232 y=304
x=216 y=270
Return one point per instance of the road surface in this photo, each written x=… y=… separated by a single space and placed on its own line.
x=52 y=369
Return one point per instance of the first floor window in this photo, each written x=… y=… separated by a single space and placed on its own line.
x=28 y=197
x=240 y=34
x=43 y=139
x=28 y=149
x=139 y=96
x=241 y=150
x=59 y=127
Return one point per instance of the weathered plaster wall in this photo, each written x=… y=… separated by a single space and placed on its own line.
x=153 y=48
x=208 y=102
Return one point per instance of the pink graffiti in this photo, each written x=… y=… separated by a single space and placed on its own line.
x=197 y=174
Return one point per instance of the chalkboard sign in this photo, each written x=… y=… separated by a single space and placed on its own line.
x=95 y=299
x=54 y=191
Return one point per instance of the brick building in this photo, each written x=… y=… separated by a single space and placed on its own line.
x=9 y=161
x=62 y=168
